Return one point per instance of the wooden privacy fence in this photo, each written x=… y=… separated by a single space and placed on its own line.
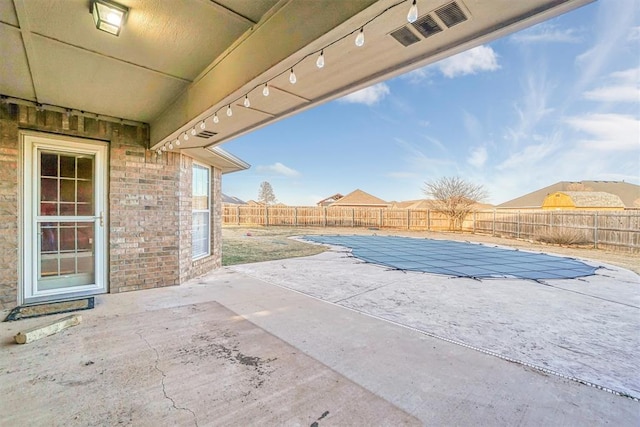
x=602 y=229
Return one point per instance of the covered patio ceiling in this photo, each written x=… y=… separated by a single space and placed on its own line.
x=177 y=64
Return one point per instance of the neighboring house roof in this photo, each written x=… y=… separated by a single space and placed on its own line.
x=592 y=199
x=627 y=192
x=231 y=200
x=426 y=204
x=330 y=199
x=412 y=204
x=254 y=203
x=360 y=198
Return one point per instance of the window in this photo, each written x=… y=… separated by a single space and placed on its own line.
x=201 y=220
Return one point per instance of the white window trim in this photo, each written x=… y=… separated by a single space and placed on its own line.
x=209 y=169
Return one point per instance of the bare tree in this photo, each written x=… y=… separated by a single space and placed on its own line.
x=265 y=194
x=454 y=197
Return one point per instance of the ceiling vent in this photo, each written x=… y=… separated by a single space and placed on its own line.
x=451 y=14
x=427 y=26
x=206 y=134
x=405 y=36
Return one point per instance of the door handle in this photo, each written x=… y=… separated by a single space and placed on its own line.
x=101 y=218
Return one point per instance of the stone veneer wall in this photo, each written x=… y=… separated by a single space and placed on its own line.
x=149 y=203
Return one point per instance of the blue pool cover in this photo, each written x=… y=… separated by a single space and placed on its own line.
x=458 y=259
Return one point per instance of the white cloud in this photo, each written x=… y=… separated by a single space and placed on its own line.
x=533 y=108
x=608 y=131
x=547 y=33
x=625 y=87
x=634 y=34
x=472 y=61
x=478 y=157
x=614 y=94
x=278 y=169
x=403 y=175
x=419 y=75
x=527 y=158
x=368 y=96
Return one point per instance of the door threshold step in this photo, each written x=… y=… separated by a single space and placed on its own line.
x=48 y=308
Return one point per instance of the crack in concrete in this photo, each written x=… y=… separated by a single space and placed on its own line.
x=164 y=390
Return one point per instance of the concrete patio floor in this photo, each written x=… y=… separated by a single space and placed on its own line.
x=230 y=349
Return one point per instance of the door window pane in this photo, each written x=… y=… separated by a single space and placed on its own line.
x=68 y=166
x=66 y=184
x=66 y=254
x=49 y=165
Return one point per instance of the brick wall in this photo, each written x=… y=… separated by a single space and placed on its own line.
x=149 y=203
x=188 y=267
x=8 y=205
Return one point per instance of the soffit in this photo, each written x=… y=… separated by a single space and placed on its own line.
x=178 y=62
x=348 y=68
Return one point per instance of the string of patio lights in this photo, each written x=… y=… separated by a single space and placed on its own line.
x=412 y=16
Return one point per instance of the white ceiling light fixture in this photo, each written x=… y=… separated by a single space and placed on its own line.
x=320 y=60
x=108 y=16
x=360 y=38
x=412 y=16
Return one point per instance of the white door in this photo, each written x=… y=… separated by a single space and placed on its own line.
x=64 y=216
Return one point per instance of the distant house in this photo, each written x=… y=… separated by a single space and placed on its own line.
x=585 y=200
x=628 y=193
x=359 y=199
x=231 y=200
x=329 y=200
x=427 y=204
x=412 y=204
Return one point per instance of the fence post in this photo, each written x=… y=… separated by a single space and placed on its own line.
x=408 y=219
x=266 y=216
x=238 y=214
x=428 y=219
x=325 y=216
x=518 y=227
x=295 y=214
x=380 y=218
x=474 y=222
x=493 y=226
x=353 y=217
x=595 y=230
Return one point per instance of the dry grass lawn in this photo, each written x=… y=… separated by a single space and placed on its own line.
x=242 y=245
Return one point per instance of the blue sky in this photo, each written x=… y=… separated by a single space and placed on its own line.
x=556 y=102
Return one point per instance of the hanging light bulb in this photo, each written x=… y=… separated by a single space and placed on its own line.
x=164 y=148
x=320 y=60
x=265 y=90
x=202 y=125
x=215 y=118
x=413 y=12
x=292 y=77
x=171 y=146
x=158 y=152
x=177 y=141
x=186 y=137
x=229 y=111
x=193 y=131
x=246 y=102
x=360 y=38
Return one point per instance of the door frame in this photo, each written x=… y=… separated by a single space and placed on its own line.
x=30 y=142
